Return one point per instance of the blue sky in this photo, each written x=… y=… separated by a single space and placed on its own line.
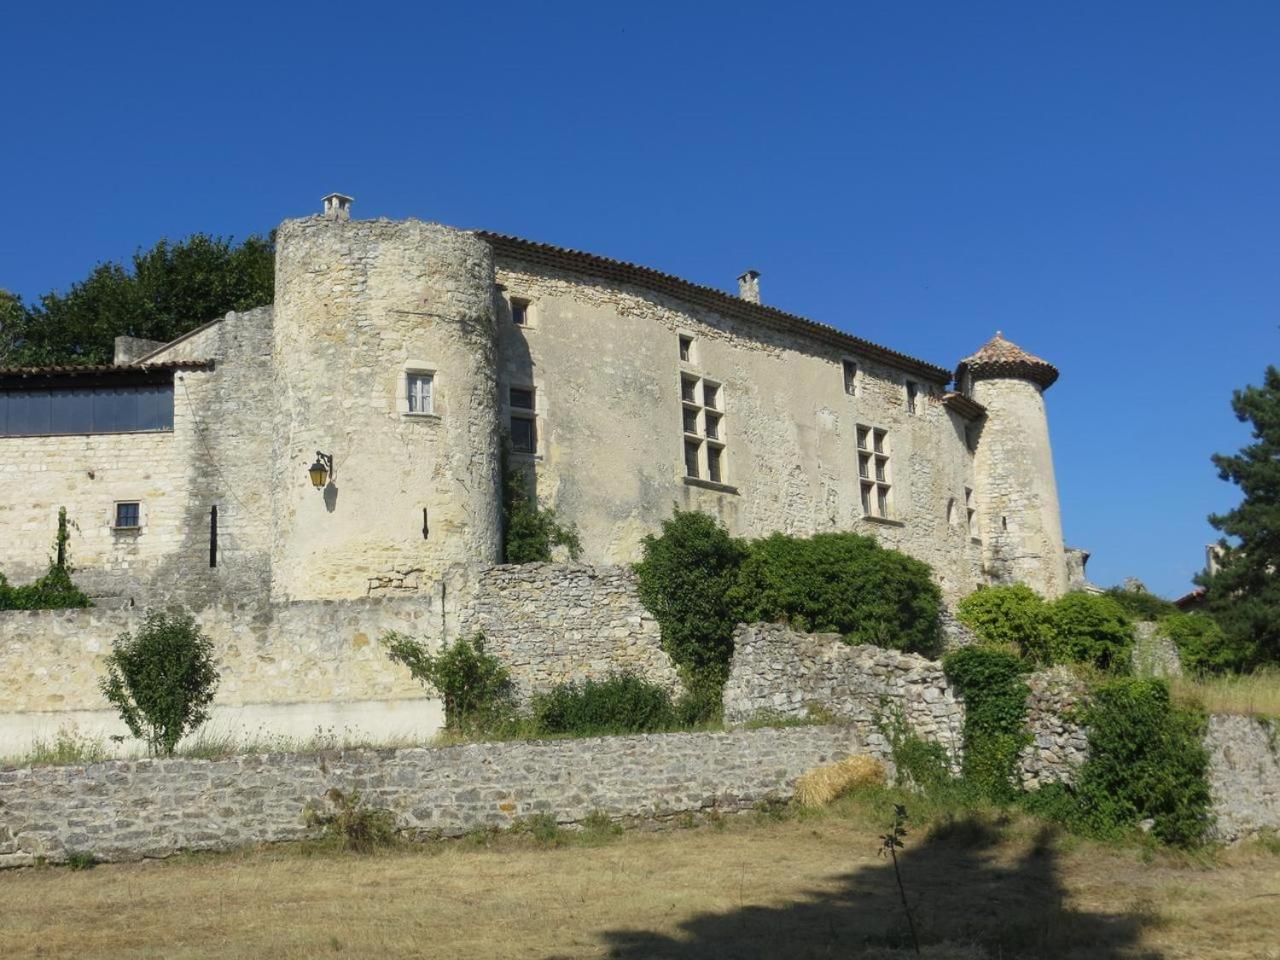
x=1099 y=181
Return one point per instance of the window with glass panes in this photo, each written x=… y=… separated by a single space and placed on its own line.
x=873 y=472
x=524 y=419
x=419 y=388
x=702 y=414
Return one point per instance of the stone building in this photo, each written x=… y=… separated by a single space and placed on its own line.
x=406 y=361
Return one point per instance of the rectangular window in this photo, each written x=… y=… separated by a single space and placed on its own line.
x=524 y=421
x=912 y=392
x=850 y=378
x=689 y=389
x=132 y=408
x=703 y=425
x=520 y=312
x=686 y=349
x=128 y=515
x=418 y=389
x=691 y=457
x=874 y=478
x=713 y=462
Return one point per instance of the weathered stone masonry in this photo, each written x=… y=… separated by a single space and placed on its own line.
x=125 y=810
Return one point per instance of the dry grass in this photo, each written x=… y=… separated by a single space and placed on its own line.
x=749 y=888
x=1252 y=694
x=821 y=785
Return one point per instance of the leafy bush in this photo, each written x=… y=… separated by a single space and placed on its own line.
x=1146 y=761
x=530 y=531
x=702 y=703
x=1202 y=645
x=684 y=580
x=621 y=703
x=162 y=679
x=1092 y=629
x=55 y=590
x=920 y=763
x=474 y=685
x=843 y=583
x=1141 y=605
x=357 y=826
x=1010 y=615
x=995 y=698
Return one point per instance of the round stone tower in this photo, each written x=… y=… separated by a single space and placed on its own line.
x=385 y=359
x=1017 y=496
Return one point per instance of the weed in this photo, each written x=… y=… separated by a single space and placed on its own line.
x=79 y=860
x=357 y=827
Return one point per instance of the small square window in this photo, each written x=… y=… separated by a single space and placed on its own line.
x=913 y=392
x=690 y=420
x=524 y=435
x=521 y=398
x=128 y=515
x=688 y=390
x=710 y=395
x=850 y=378
x=686 y=348
x=419 y=388
x=713 y=426
x=520 y=312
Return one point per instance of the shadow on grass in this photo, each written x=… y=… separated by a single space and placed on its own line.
x=970 y=900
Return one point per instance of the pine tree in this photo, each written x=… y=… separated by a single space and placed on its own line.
x=1244 y=595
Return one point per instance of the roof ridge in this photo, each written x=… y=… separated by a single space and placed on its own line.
x=711 y=297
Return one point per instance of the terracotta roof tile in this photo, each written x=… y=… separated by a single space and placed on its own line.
x=708 y=297
x=999 y=357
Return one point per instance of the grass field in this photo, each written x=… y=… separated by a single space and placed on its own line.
x=748 y=888
x=1252 y=694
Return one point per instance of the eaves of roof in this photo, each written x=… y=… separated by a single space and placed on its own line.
x=606 y=268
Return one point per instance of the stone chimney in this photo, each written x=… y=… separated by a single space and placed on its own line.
x=337 y=206
x=749 y=286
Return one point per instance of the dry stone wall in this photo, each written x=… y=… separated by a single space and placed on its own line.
x=126 y=810
x=1244 y=775
x=777 y=672
x=1059 y=744
x=556 y=623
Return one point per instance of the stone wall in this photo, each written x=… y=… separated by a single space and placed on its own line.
x=1244 y=775
x=556 y=623
x=126 y=810
x=1154 y=655
x=285 y=669
x=1059 y=745
x=611 y=443
x=777 y=672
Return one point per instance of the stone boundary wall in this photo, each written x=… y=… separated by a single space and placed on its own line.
x=1059 y=745
x=1244 y=775
x=127 y=810
x=553 y=623
x=779 y=673
x=286 y=668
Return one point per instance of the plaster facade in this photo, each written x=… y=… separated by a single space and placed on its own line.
x=627 y=390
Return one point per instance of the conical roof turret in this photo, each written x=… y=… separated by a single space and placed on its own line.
x=999 y=357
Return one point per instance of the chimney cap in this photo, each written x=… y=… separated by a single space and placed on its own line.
x=337 y=206
x=749 y=286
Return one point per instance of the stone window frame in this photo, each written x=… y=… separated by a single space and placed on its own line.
x=851 y=376
x=417 y=368
x=530 y=312
x=686 y=347
x=705 y=446
x=971 y=515
x=115 y=516
x=875 y=477
x=534 y=414
x=914 y=393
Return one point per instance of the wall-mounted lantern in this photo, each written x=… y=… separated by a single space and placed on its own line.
x=321 y=469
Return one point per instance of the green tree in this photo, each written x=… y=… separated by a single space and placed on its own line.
x=474 y=685
x=1244 y=595
x=1014 y=615
x=1091 y=628
x=166 y=291
x=843 y=583
x=162 y=679
x=684 y=579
